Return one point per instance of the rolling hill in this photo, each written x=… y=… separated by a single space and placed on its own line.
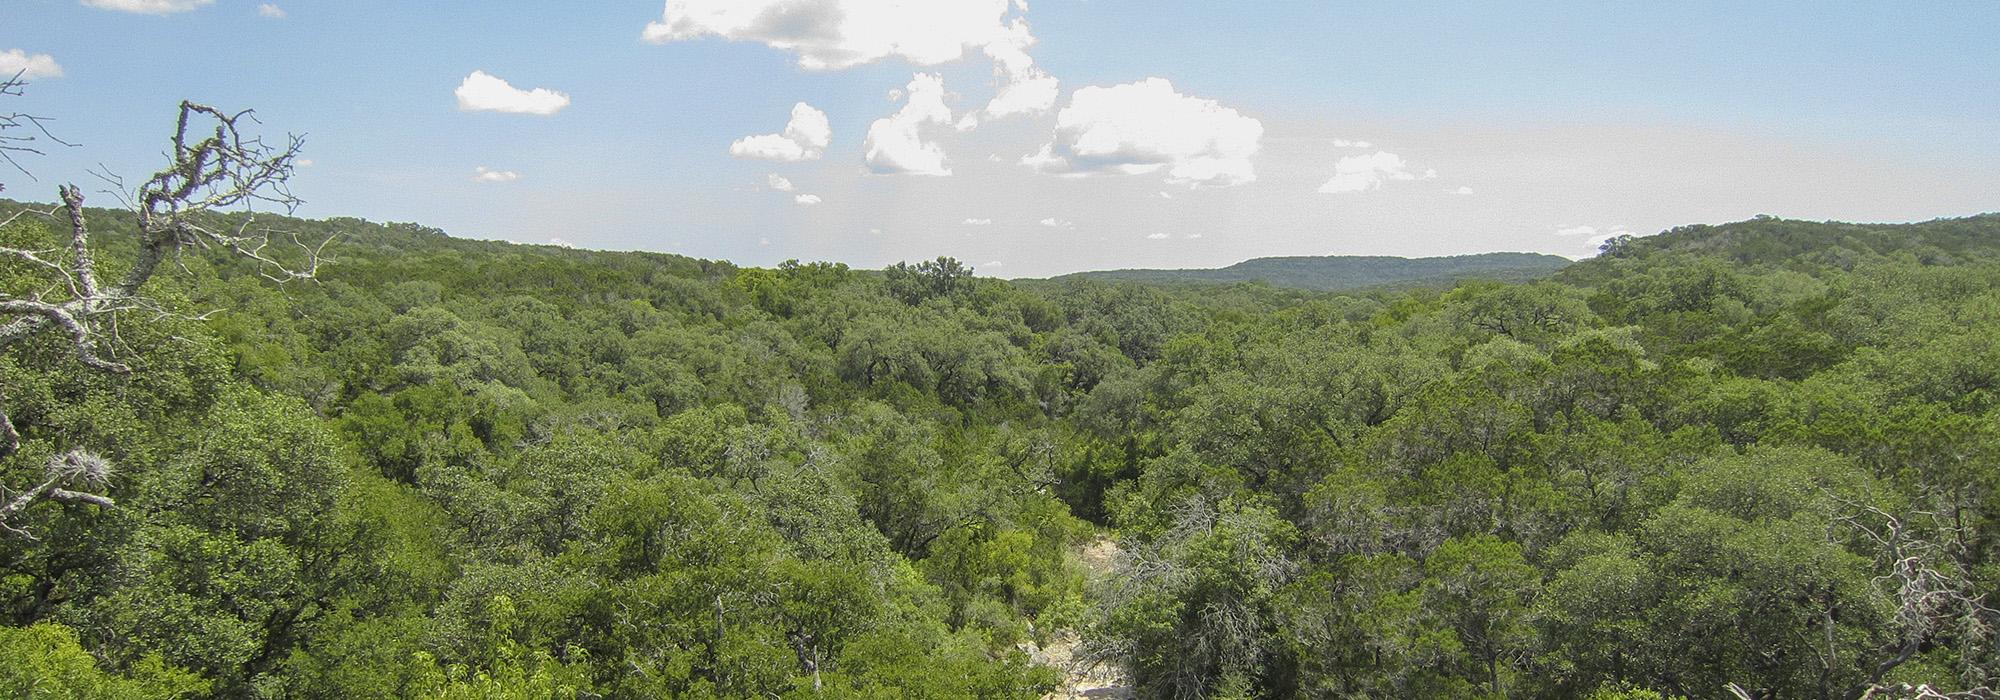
x=1344 y=272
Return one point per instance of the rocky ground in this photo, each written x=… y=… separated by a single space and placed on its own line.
x=1085 y=677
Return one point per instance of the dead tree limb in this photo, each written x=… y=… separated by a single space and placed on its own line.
x=1932 y=596
x=76 y=467
x=214 y=166
x=20 y=131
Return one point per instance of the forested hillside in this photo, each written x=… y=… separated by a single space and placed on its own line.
x=1761 y=454
x=1334 y=273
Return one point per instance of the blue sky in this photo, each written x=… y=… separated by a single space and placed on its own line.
x=1177 y=134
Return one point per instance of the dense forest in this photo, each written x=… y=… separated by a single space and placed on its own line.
x=1756 y=458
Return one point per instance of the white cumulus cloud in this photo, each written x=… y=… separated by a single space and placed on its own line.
x=896 y=144
x=1156 y=236
x=28 y=66
x=482 y=92
x=836 y=34
x=1344 y=143
x=1462 y=190
x=485 y=174
x=1147 y=127
x=1053 y=222
x=979 y=222
x=1024 y=87
x=560 y=243
x=1367 y=172
x=805 y=138
x=149 y=7
x=1576 y=231
x=778 y=183
x=807 y=199
x=271 y=11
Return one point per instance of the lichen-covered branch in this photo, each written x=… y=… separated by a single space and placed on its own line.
x=1929 y=589
x=75 y=467
x=215 y=166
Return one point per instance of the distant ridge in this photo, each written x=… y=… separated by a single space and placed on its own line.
x=1345 y=272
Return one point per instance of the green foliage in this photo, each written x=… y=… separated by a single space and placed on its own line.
x=467 y=469
x=45 y=662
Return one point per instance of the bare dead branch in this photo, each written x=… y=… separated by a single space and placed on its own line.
x=1923 y=691
x=78 y=497
x=82 y=270
x=16 y=128
x=1928 y=588
x=215 y=166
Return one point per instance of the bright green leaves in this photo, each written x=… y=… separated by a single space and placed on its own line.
x=45 y=662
